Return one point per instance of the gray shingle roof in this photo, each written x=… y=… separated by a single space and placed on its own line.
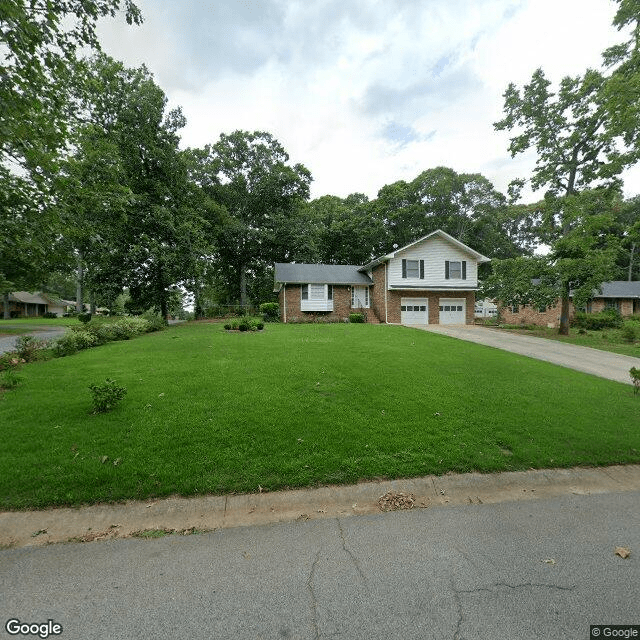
x=320 y=273
x=619 y=289
x=26 y=297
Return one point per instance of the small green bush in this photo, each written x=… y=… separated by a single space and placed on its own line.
x=10 y=361
x=84 y=317
x=27 y=348
x=227 y=326
x=630 y=332
x=9 y=380
x=72 y=342
x=356 y=317
x=106 y=395
x=634 y=372
x=50 y=315
x=155 y=321
x=270 y=311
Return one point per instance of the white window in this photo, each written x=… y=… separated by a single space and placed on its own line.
x=316 y=297
x=413 y=268
x=455 y=270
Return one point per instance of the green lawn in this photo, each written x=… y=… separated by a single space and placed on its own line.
x=297 y=405
x=606 y=340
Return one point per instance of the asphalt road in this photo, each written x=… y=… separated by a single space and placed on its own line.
x=8 y=343
x=535 y=569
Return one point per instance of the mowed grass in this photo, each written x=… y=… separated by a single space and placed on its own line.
x=297 y=405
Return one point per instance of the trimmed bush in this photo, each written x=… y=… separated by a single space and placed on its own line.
x=270 y=311
x=84 y=317
x=356 y=317
x=607 y=319
x=106 y=395
x=50 y=315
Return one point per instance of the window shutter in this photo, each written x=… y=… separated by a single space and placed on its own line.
x=305 y=291
x=421 y=269
x=404 y=268
x=446 y=269
x=464 y=269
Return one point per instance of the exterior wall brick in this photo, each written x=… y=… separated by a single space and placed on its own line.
x=551 y=317
x=394 y=298
x=341 y=303
x=377 y=292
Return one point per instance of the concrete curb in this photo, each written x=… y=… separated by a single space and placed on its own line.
x=190 y=515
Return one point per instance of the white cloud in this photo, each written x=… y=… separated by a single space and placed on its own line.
x=364 y=92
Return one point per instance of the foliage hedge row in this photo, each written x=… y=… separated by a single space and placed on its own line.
x=245 y=324
x=607 y=319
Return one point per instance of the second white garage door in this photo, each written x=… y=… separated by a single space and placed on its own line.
x=452 y=310
x=414 y=311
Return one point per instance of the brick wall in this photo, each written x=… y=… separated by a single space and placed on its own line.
x=394 y=298
x=377 y=292
x=341 y=303
x=551 y=317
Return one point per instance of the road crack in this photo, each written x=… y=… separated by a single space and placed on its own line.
x=312 y=594
x=348 y=551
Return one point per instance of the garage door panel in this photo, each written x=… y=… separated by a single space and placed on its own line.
x=452 y=310
x=414 y=311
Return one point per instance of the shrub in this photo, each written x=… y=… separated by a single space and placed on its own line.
x=155 y=321
x=9 y=380
x=84 y=317
x=630 y=331
x=10 y=360
x=260 y=326
x=356 y=317
x=607 y=319
x=634 y=372
x=270 y=311
x=227 y=326
x=244 y=326
x=50 y=315
x=72 y=342
x=27 y=348
x=106 y=395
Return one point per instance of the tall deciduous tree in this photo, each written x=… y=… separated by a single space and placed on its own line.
x=577 y=149
x=251 y=177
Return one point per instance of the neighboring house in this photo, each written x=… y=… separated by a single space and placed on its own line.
x=618 y=294
x=486 y=309
x=431 y=281
x=29 y=305
x=26 y=305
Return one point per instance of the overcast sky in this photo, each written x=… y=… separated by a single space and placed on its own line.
x=363 y=92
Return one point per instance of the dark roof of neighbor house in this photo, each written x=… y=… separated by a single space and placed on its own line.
x=619 y=289
x=300 y=273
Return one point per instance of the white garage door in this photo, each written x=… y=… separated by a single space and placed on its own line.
x=452 y=310
x=414 y=311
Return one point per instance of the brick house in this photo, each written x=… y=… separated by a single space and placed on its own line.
x=431 y=281
x=618 y=294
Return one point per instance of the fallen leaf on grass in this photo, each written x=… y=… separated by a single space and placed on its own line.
x=623 y=552
x=549 y=561
x=104 y=459
x=393 y=500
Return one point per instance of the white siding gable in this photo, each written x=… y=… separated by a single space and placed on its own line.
x=435 y=251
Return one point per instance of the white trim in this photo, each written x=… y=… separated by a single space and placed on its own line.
x=386 y=293
x=285 y=302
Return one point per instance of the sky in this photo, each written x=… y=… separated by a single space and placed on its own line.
x=364 y=92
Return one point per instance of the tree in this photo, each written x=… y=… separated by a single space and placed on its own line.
x=579 y=261
x=130 y=204
x=577 y=149
x=40 y=41
x=250 y=177
x=466 y=206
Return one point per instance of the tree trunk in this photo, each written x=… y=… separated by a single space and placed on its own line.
x=80 y=283
x=5 y=300
x=633 y=250
x=564 y=310
x=243 y=286
x=92 y=303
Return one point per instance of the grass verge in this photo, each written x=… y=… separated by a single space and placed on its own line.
x=210 y=411
x=605 y=340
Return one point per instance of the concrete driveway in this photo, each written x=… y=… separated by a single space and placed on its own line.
x=594 y=361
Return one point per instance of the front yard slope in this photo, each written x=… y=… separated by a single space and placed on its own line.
x=297 y=405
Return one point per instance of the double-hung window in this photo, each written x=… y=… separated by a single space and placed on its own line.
x=413 y=269
x=455 y=269
x=316 y=297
